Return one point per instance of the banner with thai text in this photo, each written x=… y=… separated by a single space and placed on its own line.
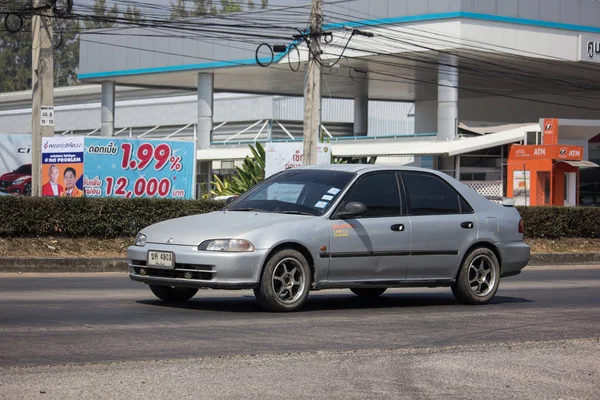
x=132 y=168
x=62 y=166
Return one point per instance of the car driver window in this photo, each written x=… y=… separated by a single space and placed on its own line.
x=379 y=193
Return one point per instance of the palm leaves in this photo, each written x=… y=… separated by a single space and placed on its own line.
x=249 y=174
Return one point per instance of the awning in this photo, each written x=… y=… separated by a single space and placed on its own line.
x=420 y=148
x=581 y=164
x=385 y=147
x=483 y=130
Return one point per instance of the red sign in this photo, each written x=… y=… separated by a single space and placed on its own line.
x=546 y=152
x=550 y=131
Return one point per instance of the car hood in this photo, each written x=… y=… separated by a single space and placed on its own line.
x=195 y=229
x=11 y=176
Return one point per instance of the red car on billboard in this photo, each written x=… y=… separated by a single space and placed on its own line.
x=17 y=181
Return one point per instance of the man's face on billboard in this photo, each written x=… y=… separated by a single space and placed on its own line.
x=53 y=173
x=69 y=179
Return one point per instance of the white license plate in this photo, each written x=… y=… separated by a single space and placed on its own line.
x=160 y=259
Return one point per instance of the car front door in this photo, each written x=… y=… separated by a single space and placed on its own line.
x=442 y=226
x=374 y=246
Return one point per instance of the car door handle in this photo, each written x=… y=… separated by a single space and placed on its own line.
x=467 y=225
x=397 y=227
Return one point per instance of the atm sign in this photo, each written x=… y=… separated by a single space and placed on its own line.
x=549 y=152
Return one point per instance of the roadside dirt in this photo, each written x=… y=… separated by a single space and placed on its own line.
x=92 y=247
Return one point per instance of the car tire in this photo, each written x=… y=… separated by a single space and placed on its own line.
x=368 y=292
x=285 y=282
x=173 y=294
x=478 y=278
x=27 y=191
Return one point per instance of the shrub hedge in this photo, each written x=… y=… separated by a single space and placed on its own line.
x=561 y=222
x=111 y=217
x=91 y=217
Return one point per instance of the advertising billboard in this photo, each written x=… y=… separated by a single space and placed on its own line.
x=15 y=164
x=62 y=166
x=76 y=166
x=282 y=156
x=139 y=168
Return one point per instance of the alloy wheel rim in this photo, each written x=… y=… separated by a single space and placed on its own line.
x=482 y=276
x=288 y=280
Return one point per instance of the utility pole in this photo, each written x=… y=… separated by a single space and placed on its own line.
x=312 y=90
x=42 y=109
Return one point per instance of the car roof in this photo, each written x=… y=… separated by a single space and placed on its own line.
x=363 y=168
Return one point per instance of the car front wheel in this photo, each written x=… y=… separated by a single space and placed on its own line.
x=285 y=282
x=173 y=294
x=478 y=278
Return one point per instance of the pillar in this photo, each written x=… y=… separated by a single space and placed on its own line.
x=447 y=119
x=361 y=108
x=205 y=110
x=107 y=113
x=447 y=108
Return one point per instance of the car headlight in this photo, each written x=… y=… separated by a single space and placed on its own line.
x=18 y=181
x=140 y=240
x=233 y=245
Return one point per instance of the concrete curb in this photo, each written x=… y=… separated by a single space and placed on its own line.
x=74 y=265
x=545 y=259
x=100 y=264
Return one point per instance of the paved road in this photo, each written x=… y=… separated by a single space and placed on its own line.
x=543 y=322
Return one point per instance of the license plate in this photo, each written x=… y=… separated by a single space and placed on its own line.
x=160 y=259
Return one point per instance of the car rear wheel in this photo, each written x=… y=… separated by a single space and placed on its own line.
x=478 y=278
x=173 y=294
x=285 y=282
x=368 y=292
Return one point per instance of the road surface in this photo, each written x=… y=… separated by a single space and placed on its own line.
x=104 y=336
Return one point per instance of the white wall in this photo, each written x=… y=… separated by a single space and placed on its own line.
x=502 y=110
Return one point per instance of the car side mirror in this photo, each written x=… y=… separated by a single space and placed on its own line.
x=508 y=202
x=230 y=200
x=353 y=209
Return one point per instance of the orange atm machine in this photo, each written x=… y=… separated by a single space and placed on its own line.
x=546 y=174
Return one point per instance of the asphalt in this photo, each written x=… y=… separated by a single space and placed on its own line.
x=80 y=336
x=543 y=370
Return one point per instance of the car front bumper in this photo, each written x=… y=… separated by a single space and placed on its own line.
x=197 y=269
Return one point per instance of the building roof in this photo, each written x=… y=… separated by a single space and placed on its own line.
x=408 y=36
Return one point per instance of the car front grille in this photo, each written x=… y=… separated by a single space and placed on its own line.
x=4 y=184
x=197 y=271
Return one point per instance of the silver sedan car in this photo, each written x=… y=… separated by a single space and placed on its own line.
x=361 y=227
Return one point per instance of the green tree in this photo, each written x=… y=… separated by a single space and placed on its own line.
x=66 y=56
x=201 y=8
x=15 y=60
x=265 y=3
x=132 y=15
x=178 y=10
x=229 y=6
x=102 y=18
x=251 y=172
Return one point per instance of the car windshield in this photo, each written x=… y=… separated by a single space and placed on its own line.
x=309 y=192
x=24 y=169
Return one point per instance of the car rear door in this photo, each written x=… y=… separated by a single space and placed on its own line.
x=442 y=226
x=375 y=246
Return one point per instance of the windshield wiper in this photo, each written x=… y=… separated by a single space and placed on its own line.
x=248 y=209
x=296 y=213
